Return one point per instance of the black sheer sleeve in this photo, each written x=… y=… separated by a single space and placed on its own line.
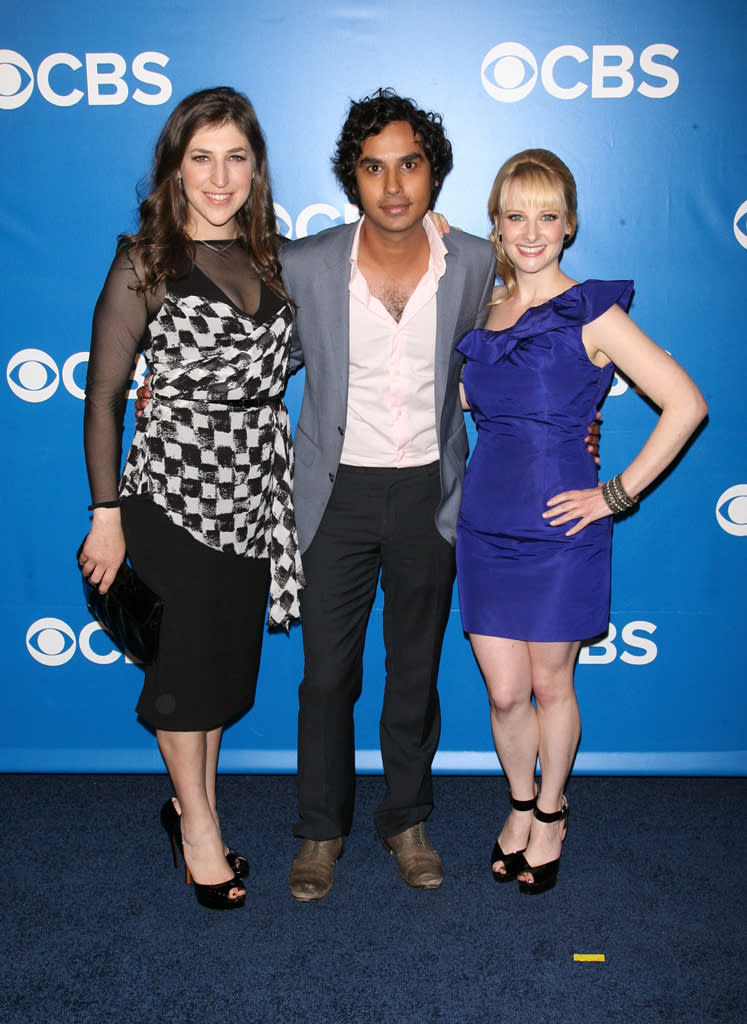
x=119 y=321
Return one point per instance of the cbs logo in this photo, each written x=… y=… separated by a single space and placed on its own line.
x=740 y=225
x=52 y=643
x=509 y=72
x=638 y=650
x=104 y=79
x=33 y=375
x=350 y=214
x=731 y=510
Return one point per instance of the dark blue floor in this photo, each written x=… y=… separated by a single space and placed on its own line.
x=98 y=927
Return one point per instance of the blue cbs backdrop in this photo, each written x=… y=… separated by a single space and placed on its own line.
x=644 y=100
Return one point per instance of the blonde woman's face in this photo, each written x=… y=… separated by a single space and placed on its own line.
x=533 y=229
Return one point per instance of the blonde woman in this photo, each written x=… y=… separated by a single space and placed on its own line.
x=534 y=533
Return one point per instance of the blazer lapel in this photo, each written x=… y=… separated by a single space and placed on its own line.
x=333 y=285
x=448 y=309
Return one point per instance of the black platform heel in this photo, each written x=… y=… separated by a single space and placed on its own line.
x=218 y=897
x=513 y=863
x=545 y=875
x=170 y=822
x=214 y=897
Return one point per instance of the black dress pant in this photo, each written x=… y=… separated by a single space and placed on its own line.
x=377 y=521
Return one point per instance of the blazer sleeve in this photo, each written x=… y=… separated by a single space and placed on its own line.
x=487 y=290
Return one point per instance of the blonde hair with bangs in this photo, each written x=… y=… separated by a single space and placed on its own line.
x=548 y=181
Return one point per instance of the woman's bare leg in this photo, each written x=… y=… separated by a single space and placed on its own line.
x=188 y=756
x=506 y=669
x=212 y=752
x=559 y=725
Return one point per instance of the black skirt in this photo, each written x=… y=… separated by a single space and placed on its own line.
x=215 y=602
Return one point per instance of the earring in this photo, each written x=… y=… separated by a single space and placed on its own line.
x=500 y=239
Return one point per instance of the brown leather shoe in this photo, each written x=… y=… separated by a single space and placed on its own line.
x=418 y=863
x=313 y=871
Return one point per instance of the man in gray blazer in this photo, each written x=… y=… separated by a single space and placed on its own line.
x=380 y=453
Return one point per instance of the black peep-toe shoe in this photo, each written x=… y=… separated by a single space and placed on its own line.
x=170 y=821
x=545 y=875
x=214 y=897
x=512 y=862
x=218 y=897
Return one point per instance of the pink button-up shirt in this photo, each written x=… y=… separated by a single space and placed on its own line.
x=391 y=417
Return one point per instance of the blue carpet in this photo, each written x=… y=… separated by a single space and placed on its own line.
x=98 y=928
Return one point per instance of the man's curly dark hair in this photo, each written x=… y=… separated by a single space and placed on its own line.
x=370 y=116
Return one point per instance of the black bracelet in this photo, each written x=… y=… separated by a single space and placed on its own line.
x=616 y=496
x=104 y=504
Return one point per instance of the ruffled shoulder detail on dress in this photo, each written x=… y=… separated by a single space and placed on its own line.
x=584 y=302
x=578 y=305
x=484 y=346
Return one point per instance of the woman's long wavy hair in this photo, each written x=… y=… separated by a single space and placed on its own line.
x=548 y=181
x=161 y=242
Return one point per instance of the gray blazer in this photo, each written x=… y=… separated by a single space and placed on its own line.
x=316 y=271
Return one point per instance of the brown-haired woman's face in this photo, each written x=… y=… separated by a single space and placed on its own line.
x=216 y=175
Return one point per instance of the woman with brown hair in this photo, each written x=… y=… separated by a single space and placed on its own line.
x=203 y=507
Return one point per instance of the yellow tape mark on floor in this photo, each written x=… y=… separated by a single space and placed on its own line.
x=588 y=957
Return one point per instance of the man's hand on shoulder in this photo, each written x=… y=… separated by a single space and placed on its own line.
x=143 y=397
x=440 y=223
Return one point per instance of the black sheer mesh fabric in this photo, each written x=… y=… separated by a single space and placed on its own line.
x=221 y=271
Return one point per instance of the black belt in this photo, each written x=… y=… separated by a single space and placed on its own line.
x=240 y=404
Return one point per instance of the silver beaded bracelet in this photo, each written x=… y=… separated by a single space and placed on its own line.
x=616 y=496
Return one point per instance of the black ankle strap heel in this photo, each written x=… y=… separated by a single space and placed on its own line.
x=523 y=805
x=549 y=818
x=544 y=876
x=512 y=862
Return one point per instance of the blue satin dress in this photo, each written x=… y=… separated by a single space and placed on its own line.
x=533 y=392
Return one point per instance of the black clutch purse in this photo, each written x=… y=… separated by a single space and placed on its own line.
x=129 y=612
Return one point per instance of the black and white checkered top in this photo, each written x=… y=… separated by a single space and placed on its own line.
x=213 y=448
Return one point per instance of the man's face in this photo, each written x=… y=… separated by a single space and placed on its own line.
x=394 y=179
